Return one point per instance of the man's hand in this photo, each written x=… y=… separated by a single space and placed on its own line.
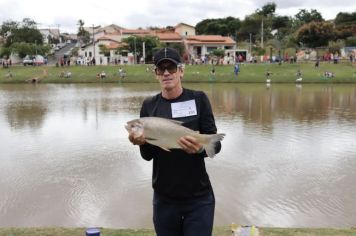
x=137 y=140
x=189 y=144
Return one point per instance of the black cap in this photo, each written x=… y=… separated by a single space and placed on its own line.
x=166 y=54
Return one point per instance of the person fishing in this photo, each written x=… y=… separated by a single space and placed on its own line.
x=183 y=198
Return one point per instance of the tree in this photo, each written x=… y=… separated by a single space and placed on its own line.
x=223 y=26
x=24 y=31
x=344 y=17
x=104 y=50
x=315 y=34
x=82 y=34
x=218 y=52
x=267 y=10
x=350 y=41
x=345 y=25
x=22 y=37
x=132 y=42
x=251 y=25
x=304 y=16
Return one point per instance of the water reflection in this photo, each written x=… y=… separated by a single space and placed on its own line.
x=288 y=158
x=25 y=115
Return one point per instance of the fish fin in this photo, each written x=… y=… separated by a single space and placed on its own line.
x=176 y=122
x=166 y=149
x=150 y=139
x=210 y=148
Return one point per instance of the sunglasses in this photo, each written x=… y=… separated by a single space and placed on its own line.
x=171 y=68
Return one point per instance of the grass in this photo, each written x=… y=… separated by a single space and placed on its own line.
x=218 y=231
x=250 y=73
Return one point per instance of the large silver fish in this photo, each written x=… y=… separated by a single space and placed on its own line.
x=165 y=133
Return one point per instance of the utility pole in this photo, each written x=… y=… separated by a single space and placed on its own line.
x=135 y=50
x=59 y=34
x=93 y=44
x=262 y=33
x=144 y=52
x=250 y=45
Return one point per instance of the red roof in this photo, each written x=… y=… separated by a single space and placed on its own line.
x=210 y=39
x=135 y=31
x=168 y=36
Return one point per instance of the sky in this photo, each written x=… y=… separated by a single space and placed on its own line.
x=132 y=14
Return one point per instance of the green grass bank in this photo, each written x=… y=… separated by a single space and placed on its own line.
x=250 y=73
x=218 y=231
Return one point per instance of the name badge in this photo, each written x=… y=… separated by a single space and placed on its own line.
x=184 y=109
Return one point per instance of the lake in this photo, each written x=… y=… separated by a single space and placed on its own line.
x=288 y=158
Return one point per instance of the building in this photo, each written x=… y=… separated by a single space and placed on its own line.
x=195 y=46
x=47 y=34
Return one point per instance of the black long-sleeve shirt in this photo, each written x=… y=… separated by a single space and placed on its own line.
x=178 y=175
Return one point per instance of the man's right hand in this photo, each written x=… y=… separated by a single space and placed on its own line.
x=137 y=140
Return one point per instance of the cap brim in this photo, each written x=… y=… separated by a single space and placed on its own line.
x=167 y=59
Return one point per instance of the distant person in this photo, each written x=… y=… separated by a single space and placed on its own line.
x=122 y=73
x=267 y=76
x=9 y=74
x=316 y=63
x=102 y=75
x=34 y=80
x=329 y=74
x=61 y=75
x=45 y=73
x=212 y=73
x=299 y=73
x=68 y=75
x=236 y=69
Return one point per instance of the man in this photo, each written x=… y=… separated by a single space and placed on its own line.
x=183 y=201
x=236 y=69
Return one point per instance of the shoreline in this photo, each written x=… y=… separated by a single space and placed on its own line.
x=249 y=73
x=218 y=231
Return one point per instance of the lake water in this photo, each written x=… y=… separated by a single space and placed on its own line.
x=288 y=159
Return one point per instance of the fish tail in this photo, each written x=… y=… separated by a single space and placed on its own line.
x=210 y=148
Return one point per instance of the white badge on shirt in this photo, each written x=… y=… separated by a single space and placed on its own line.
x=184 y=109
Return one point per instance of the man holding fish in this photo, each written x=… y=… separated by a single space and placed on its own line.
x=177 y=130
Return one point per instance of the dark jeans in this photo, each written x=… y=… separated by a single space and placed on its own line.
x=188 y=218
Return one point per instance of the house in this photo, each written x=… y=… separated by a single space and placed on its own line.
x=184 y=30
x=47 y=34
x=198 y=46
x=90 y=50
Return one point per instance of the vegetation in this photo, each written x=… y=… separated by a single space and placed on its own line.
x=250 y=73
x=306 y=29
x=135 y=44
x=22 y=38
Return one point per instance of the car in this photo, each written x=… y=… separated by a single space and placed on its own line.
x=28 y=60
x=36 y=60
x=39 y=60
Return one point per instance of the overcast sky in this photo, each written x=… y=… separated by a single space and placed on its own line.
x=132 y=14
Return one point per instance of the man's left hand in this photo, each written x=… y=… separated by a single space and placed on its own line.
x=189 y=144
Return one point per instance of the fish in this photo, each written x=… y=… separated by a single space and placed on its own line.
x=165 y=133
